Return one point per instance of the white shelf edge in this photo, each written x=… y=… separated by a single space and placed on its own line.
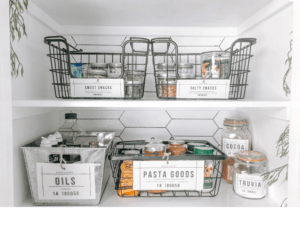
x=151 y=103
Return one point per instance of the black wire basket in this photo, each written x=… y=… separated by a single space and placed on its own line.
x=232 y=86
x=116 y=160
x=63 y=55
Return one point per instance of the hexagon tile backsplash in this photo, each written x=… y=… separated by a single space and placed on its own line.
x=144 y=124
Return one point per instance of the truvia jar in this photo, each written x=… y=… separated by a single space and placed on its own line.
x=215 y=65
x=169 y=89
x=154 y=149
x=248 y=181
x=99 y=66
x=176 y=147
x=134 y=89
x=186 y=70
x=96 y=73
x=234 y=139
x=164 y=68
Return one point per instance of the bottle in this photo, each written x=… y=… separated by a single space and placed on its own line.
x=234 y=139
x=58 y=137
x=70 y=128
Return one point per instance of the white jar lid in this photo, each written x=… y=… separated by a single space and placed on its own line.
x=58 y=136
x=45 y=142
x=52 y=139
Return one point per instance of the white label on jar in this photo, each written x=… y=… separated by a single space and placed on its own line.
x=211 y=89
x=232 y=146
x=176 y=175
x=103 y=88
x=249 y=185
x=77 y=181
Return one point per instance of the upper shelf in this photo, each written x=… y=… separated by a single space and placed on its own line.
x=150 y=103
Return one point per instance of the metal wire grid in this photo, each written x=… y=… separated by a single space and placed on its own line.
x=63 y=54
x=116 y=161
x=239 y=65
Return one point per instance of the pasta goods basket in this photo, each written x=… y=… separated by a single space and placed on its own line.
x=140 y=174
x=79 y=74
x=205 y=75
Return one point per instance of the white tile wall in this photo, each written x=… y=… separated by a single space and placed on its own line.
x=162 y=124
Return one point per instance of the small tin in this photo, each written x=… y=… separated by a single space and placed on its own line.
x=191 y=146
x=203 y=151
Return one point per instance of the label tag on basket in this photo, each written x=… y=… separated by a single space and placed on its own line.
x=77 y=181
x=210 y=88
x=176 y=175
x=91 y=88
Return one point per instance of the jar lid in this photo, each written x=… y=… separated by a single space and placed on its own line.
x=101 y=65
x=133 y=82
x=153 y=141
x=45 y=142
x=115 y=65
x=52 y=139
x=185 y=65
x=234 y=122
x=186 y=75
x=196 y=144
x=155 y=147
x=58 y=136
x=216 y=53
x=165 y=66
x=135 y=72
x=176 y=142
x=250 y=156
x=170 y=82
x=165 y=76
x=71 y=116
x=97 y=72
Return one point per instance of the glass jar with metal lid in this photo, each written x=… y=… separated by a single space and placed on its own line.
x=176 y=147
x=168 y=89
x=215 y=64
x=136 y=75
x=186 y=70
x=248 y=181
x=96 y=73
x=114 y=70
x=99 y=66
x=134 y=89
x=153 y=141
x=164 y=68
x=154 y=149
x=234 y=139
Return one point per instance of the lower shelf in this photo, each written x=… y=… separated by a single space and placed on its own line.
x=225 y=198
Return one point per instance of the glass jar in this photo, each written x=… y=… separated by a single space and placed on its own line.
x=164 y=68
x=215 y=65
x=136 y=75
x=234 y=139
x=70 y=128
x=248 y=181
x=154 y=149
x=176 y=147
x=114 y=70
x=96 y=73
x=163 y=77
x=134 y=89
x=99 y=66
x=168 y=89
x=247 y=132
x=186 y=70
x=153 y=141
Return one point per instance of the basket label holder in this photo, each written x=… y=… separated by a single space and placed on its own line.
x=74 y=182
x=174 y=175
x=96 y=88
x=203 y=89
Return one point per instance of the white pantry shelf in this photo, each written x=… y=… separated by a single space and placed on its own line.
x=64 y=103
x=225 y=198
